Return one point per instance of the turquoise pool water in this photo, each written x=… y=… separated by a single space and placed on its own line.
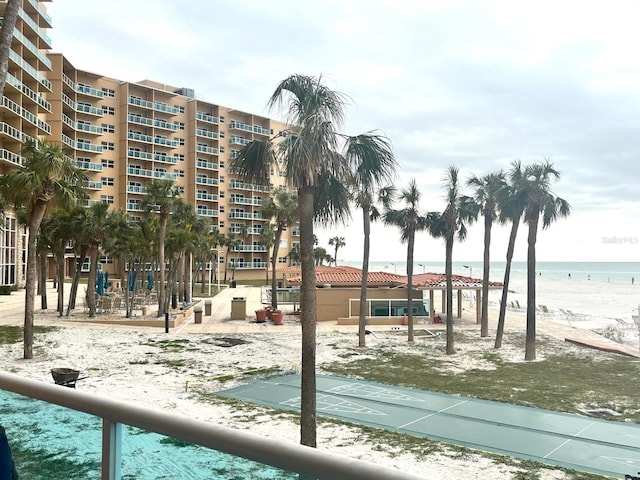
x=51 y=442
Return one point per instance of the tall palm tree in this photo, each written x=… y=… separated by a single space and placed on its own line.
x=6 y=36
x=311 y=165
x=373 y=163
x=511 y=203
x=46 y=178
x=337 y=243
x=540 y=201
x=160 y=197
x=96 y=227
x=282 y=207
x=452 y=224
x=409 y=220
x=486 y=191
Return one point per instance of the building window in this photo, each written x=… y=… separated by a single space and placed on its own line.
x=179 y=172
x=108 y=110
x=179 y=156
x=180 y=140
x=108 y=145
x=221 y=208
x=221 y=194
x=108 y=92
x=108 y=128
x=221 y=179
x=282 y=259
x=221 y=224
x=221 y=118
x=221 y=148
x=108 y=181
x=180 y=125
x=107 y=199
x=108 y=163
x=221 y=163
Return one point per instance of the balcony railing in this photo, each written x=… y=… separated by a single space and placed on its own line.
x=249 y=248
x=291 y=457
x=206 y=117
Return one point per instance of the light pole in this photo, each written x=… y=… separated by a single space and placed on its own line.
x=211 y=271
x=470 y=270
x=394 y=268
x=421 y=265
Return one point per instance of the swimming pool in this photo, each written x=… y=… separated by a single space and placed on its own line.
x=50 y=442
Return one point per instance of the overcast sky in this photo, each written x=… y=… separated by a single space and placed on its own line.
x=465 y=83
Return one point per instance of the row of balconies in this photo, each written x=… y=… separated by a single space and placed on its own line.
x=238 y=185
x=14 y=82
x=25 y=114
x=249 y=128
x=206 y=117
x=157 y=106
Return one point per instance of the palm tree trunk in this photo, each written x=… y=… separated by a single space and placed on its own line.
x=484 y=314
x=308 y=320
x=162 y=293
x=37 y=215
x=530 y=344
x=505 y=287
x=91 y=280
x=410 y=246
x=42 y=283
x=448 y=271
x=180 y=279
x=6 y=35
x=274 y=261
x=60 y=261
x=362 y=316
x=73 y=293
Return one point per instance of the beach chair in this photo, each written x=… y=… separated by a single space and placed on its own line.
x=624 y=325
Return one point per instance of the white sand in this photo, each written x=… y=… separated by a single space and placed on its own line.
x=132 y=367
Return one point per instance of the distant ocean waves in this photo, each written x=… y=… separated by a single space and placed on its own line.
x=606 y=272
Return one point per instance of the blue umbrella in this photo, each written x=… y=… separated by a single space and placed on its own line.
x=100 y=284
x=149 y=282
x=132 y=280
x=106 y=280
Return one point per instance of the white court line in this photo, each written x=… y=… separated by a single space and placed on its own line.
x=432 y=414
x=567 y=441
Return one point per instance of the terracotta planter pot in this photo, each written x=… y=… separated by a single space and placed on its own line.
x=261 y=315
x=277 y=318
x=269 y=312
x=405 y=319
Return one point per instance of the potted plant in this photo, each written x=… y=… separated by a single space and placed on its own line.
x=261 y=315
x=277 y=317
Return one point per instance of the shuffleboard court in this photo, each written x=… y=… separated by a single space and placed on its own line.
x=566 y=440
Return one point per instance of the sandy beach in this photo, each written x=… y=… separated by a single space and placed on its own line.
x=175 y=372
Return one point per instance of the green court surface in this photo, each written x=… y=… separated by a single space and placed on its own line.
x=571 y=441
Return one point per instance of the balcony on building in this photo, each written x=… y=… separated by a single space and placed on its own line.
x=207 y=117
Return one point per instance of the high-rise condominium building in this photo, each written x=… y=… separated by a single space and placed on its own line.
x=124 y=135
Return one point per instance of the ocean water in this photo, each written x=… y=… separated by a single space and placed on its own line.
x=606 y=290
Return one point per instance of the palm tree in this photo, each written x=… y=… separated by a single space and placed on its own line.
x=409 y=220
x=45 y=178
x=337 y=243
x=96 y=226
x=458 y=211
x=540 y=200
x=160 y=197
x=372 y=160
x=486 y=191
x=511 y=203
x=312 y=166
x=282 y=206
x=6 y=36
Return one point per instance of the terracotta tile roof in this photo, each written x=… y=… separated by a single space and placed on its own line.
x=350 y=276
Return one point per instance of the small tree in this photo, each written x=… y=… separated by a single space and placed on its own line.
x=337 y=243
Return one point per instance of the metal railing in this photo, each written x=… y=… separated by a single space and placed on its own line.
x=307 y=461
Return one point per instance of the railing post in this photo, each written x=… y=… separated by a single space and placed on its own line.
x=111 y=450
